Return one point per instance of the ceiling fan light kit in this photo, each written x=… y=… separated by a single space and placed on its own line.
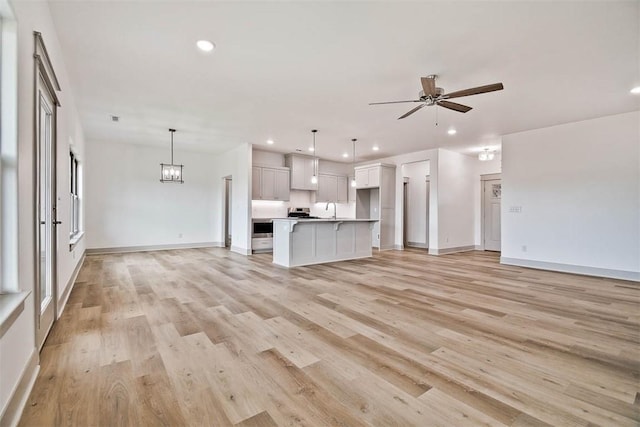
x=432 y=95
x=486 y=155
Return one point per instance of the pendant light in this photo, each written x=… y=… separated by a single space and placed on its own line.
x=353 y=162
x=314 y=178
x=171 y=172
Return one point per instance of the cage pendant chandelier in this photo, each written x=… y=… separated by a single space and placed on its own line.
x=171 y=172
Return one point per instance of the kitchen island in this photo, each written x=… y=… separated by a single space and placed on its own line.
x=299 y=242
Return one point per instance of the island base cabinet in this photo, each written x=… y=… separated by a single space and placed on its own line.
x=305 y=243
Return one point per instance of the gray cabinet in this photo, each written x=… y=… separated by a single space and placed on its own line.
x=302 y=169
x=269 y=183
x=332 y=188
x=375 y=199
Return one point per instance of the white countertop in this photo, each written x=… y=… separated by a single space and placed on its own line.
x=325 y=220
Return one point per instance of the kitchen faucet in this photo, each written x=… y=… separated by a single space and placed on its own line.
x=334 y=208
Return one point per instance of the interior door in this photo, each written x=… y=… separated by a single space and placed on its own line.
x=491 y=220
x=46 y=235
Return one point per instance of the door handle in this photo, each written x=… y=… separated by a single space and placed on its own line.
x=57 y=222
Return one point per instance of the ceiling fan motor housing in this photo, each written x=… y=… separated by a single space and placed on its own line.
x=439 y=92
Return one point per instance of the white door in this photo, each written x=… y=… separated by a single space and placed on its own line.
x=492 y=196
x=46 y=242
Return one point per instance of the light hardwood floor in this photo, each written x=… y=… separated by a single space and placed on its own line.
x=208 y=337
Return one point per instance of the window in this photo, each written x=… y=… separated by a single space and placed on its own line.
x=74 y=180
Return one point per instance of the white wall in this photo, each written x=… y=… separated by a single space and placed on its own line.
x=456 y=173
x=18 y=344
x=579 y=188
x=417 y=202
x=127 y=205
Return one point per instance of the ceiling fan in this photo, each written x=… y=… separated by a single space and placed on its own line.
x=432 y=95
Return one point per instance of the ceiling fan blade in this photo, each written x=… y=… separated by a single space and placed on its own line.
x=428 y=85
x=394 y=102
x=454 y=106
x=474 y=91
x=411 y=112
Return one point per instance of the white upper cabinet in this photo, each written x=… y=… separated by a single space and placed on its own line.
x=368 y=176
x=269 y=183
x=332 y=188
x=302 y=169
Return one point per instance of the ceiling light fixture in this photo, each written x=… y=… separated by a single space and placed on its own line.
x=486 y=155
x=205 y=45
x=270 y=141
x=635 y=90
x=376 y=148
x=345 y=155
x=314 y=178
x=452 y=131
x=312 y=149
x=353 y=162
x=171 y=172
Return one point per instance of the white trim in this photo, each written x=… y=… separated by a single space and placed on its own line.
x=418 y=245
x=239 y=250
x=20 y=393
x=11 y=305
x=398 y=247
x=73 y=240
x=444 y=251
x=125 y=249
x=62 y=302
x=575 y=269
x=490 y=176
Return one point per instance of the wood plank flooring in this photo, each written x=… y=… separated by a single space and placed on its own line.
x=205 y=337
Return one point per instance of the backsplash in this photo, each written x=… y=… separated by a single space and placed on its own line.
x=299 y=199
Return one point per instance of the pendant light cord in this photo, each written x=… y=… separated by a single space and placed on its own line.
x=315 y=156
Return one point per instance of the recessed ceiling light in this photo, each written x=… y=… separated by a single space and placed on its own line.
x=311 y=149
x=376 y=148
x=452 y=131
x=115 y=118
x=635 y=90
x=205 y=45
x=270 y=141
x=345 y=155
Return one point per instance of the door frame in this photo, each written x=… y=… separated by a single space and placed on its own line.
x=227 y=183
x=483 y=178
x=43 y=72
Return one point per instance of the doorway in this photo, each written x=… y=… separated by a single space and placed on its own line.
x=46 y=242
x=415 y=205
x=491 y=198
x=227 y=211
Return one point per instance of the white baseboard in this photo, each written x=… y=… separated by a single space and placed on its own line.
x=125 y=249
x=13 y=411
x=444 y=251
x=62 y=302
x=479 y=247
x=575 y=269
x=398 y=247
x=417 y=245
x=241 y=251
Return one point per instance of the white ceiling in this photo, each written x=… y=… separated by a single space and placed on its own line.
x=283 y=68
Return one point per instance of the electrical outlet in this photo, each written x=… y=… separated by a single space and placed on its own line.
x=524 y=248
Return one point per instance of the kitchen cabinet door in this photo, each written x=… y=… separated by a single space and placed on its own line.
x=327 y=188
x=268 y=184
x=282 y=185
x=373 y=176
x=362 y=178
